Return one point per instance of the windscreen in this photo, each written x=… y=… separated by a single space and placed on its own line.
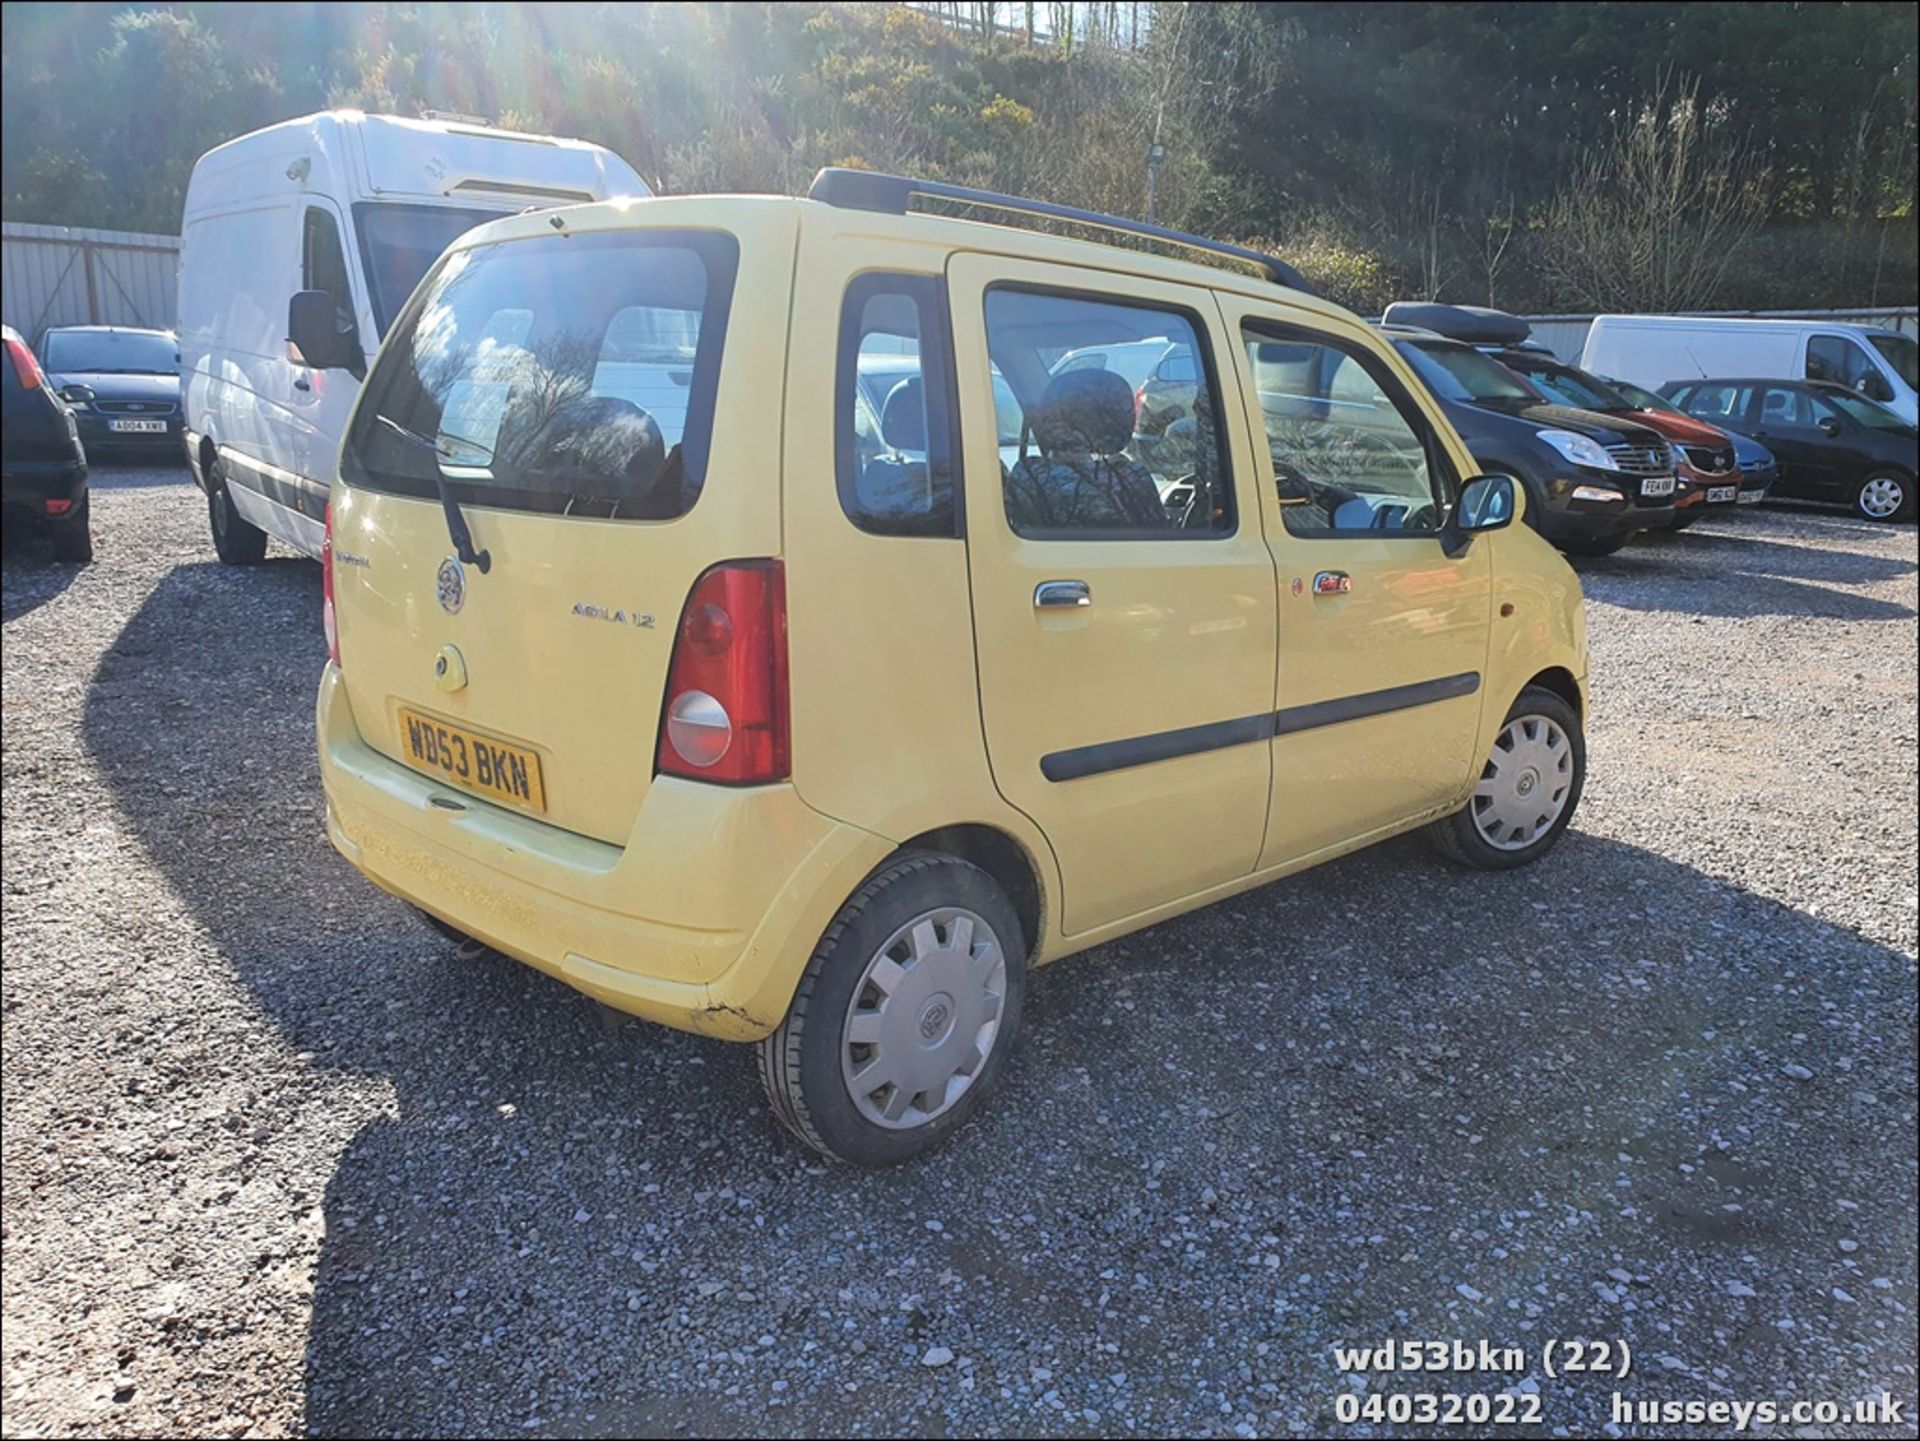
x=1456 y=372
x=1902 y=352
x=111 y=352
x=572 y=374
x=399 y=243
x=1569 y=387
x=1874 y=417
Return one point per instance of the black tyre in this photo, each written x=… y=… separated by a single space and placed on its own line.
x=1884 y=495
x=73 y=538
x=236 y=540
x=904 y=1018
x=1528 y=788
x=1588 y=548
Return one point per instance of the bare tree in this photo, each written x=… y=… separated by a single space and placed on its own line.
x=1653 y=216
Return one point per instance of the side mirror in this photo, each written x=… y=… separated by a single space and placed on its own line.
x=77 y=394
x=313 y=330
x=1487 y=502
x=1828 y=425
x=1874 y=387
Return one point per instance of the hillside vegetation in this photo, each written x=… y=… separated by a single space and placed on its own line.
x=1537 y=156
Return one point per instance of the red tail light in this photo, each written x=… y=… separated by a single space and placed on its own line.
x=328 y=623
x=725 y=717
x=25 y=367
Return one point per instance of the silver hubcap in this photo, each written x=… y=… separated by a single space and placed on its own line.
x=924 y=1018
x=1526 y=783
x=1882 y=497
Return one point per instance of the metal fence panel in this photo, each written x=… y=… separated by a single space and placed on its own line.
x=58 y=275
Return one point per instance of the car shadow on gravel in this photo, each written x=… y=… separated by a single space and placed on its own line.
x=1314 y=1115
x=30 y=577
x=1715 y=573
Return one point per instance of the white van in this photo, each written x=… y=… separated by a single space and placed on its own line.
x=352 y=209
x=1652 y=350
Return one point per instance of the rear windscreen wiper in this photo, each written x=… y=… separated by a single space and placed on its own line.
x=457 y=530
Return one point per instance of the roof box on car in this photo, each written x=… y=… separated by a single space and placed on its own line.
x=1474 y=324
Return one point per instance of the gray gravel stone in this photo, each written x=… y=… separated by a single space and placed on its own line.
x=276 y=1161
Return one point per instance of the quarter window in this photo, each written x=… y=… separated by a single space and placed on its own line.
x=893 y=441
x=1346 y=456
x=1099 y=438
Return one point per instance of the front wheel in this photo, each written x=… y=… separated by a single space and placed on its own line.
x=904 y=1017
x=1884 y=495
x=1527 y=790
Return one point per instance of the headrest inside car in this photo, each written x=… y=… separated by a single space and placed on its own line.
x=903 y=419
x=1084 y=412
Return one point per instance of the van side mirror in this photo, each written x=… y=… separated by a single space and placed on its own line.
x=313 y=330
x=1875 y=387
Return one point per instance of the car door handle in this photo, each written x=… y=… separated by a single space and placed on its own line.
x=1050 y=594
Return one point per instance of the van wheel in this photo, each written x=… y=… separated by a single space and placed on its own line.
x=905 y=1015
x=1884 y=496
x=1527 y=790
x=236 y=540
x=1593 y=549
x=73 y=537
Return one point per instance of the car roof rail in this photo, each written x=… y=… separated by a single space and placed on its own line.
x=894 y=195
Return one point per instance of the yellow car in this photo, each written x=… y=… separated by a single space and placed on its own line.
x=766 y=616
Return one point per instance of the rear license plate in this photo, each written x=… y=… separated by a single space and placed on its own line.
x=498 y=769
x=1722 y=494
x=1657 y=485
x=1751 y=497
x=138 y=427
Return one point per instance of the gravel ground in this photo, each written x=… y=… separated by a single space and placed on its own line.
x=276 y=1161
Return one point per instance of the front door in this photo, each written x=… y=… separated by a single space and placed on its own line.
x=1123 y=596
x=1382 y=631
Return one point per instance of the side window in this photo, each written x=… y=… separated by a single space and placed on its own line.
x=1724 y=401
x=1838 y=358
x=1095 y=455
x=323 y=266
x=1347 y=456
x=1779 y=406
x=893 y=425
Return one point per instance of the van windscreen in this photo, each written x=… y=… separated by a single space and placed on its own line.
x=399 y=243
x=572 y=374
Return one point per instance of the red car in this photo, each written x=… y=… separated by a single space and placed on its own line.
x=1704 y=461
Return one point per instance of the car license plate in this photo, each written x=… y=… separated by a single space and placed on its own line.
x=1751 y=497
x=1722 y=494
x=498 y=769
x=1657 y=485
x=138 y=427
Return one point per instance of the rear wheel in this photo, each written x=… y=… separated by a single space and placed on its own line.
x=1527 y=790
x=1884 y=495
x=236 y=540
x=905 y=1015
x=73 y=538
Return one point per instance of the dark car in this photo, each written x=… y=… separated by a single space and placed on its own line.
x=123 y=385
x=1829 y=443
x=1592 y=481
x=43 y=468
x=1704 y=457
x=1758 y=471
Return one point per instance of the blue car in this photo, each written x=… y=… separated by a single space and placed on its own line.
x=1758 y=469
x=122 y=383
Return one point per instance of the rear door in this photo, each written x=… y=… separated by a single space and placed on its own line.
x=1122 y=595
x=1811 y=461
x=1382 y=631
x=574 y=385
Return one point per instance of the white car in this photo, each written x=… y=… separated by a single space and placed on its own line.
x=341 y=211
